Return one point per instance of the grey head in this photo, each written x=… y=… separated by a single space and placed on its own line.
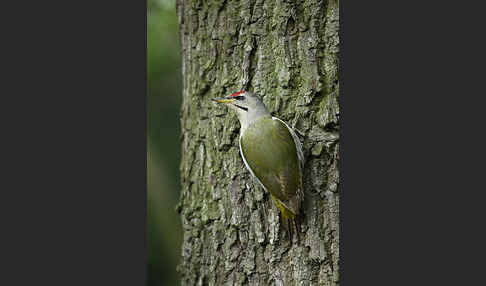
x=248 y=107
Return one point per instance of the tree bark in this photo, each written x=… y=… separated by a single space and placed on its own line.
x=287 y=52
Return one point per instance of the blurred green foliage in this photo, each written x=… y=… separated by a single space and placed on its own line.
x=164 y=85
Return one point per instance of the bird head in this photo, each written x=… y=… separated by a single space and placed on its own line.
x=248 y=106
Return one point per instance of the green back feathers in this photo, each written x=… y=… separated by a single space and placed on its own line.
x=269 y=150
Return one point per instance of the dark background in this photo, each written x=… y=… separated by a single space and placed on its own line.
x=164 y=83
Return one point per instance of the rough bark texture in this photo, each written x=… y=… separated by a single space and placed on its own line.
x=287 y=52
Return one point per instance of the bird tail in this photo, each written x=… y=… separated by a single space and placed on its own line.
x=289 y=219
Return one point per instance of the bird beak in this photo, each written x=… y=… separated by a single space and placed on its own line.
x=223 y=100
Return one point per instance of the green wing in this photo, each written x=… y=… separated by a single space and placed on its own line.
x=269 y=151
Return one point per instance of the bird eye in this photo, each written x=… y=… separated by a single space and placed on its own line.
x=239 y=97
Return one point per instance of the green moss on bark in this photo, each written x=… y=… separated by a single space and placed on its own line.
x=287 y=52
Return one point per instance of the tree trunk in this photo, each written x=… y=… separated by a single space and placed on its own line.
x=287 y=52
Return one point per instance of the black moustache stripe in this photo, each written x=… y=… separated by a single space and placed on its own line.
x=244 y=108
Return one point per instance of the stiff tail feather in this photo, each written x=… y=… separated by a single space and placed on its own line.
x=289 y=219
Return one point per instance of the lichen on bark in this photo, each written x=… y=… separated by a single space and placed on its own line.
x=287 y=52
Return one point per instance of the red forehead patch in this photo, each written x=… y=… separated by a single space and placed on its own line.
x=238 y=93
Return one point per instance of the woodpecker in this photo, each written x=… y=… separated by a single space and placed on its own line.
x=272 y=153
